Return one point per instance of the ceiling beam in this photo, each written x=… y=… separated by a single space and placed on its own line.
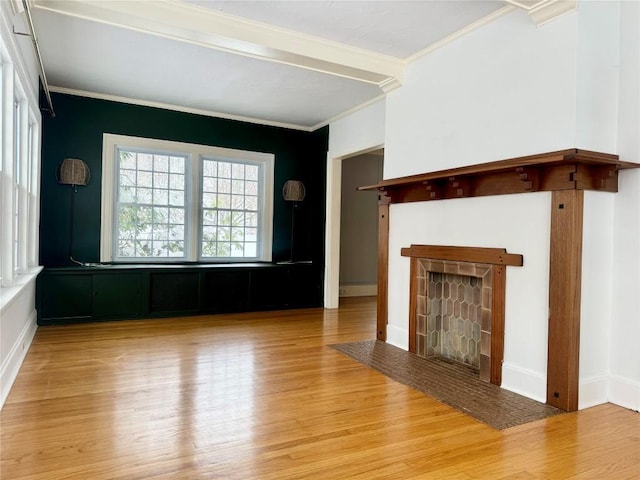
x=219 y=31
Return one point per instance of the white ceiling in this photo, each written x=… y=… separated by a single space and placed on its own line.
x=298 y=64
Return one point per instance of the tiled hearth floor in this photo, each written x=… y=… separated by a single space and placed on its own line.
x=450 y=383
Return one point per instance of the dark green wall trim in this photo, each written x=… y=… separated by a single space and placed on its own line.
x=76 y=131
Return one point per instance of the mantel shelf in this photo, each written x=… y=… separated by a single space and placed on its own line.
x=571 y=169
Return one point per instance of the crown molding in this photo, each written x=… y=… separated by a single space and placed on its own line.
x=544 y=11
x=178 y=108
x=220 y=31
x=549 y=11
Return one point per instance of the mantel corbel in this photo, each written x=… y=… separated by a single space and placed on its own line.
x=571 y=169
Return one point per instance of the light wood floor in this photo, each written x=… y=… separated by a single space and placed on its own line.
x=261 y=396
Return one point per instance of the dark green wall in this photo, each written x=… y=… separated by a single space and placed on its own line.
x=76 y=131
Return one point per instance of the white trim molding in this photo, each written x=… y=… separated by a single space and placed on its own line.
x=13 y=361
x=359 y=290
x=592 y=391
x=544 y=11
x=624 y=392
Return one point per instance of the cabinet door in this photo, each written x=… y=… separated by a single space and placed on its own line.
x=174 y=293
x=306 y=286
x=270 y=288
x=65 y=296
x=226 y=291
x=116 y=295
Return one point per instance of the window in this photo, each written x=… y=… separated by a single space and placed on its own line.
x=168 y=201
x=19 y=138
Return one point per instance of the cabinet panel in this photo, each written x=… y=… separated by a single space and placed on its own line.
x=269 y=288
x=65 y=296
x=306 y=286
x=173 y=292
x=116 y=295
x=226 y=291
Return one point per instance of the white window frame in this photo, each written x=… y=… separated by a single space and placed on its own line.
x=193 y=215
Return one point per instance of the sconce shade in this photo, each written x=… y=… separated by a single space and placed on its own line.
x=293 y=191
x=73 y=171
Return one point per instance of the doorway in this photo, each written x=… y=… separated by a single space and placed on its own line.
x=356 y=282
x=359 y=225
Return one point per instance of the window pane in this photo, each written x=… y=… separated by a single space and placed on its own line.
x=252 y=172
x=177 y=165
x=251 y=203
x=224 y=170
x=224 y=201
x=224 y=186
x=127 y=160
x=161 y=163
x=145 y=161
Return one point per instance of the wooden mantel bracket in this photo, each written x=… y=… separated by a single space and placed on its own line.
x=571 y=169
x=530 y=177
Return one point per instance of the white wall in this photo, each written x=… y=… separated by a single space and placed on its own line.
x=624 y=382
x=357 y=133
x=597 y=75
x=505 y=90
x=595 y=311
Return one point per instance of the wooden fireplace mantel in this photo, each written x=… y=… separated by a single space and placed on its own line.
x=571 y=169
x=565 y=173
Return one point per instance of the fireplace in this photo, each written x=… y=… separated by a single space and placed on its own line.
x=456 y=305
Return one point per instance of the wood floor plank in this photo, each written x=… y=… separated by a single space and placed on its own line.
x=262 y=396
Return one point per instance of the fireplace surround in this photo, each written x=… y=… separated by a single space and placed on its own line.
x=564 y=173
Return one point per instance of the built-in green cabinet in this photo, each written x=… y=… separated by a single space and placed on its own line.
x=80 y=294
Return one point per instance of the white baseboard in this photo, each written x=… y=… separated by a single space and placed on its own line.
x=624 y=392
x=360 y=290
x=398 y=337
x=592 y=391
x=525 y=382
x=11 y=366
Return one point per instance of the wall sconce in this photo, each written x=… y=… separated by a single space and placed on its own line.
x=73 y=171
x=293 y=191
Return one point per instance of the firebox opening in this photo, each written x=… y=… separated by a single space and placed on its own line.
x=453 y=313
x=451 y=326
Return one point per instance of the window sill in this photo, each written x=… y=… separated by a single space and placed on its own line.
x=9 y=294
